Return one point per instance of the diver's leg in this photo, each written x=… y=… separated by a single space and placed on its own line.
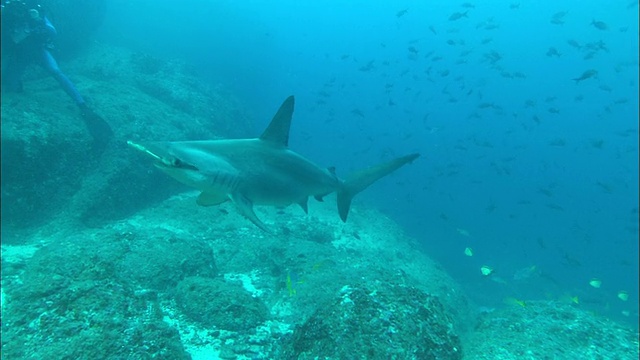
x=49 y=63
x=97 y=126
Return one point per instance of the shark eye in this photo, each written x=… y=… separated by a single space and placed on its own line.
x=171 y=161
x=177 y=163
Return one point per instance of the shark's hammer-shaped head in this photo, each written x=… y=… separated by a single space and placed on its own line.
x=186 y=162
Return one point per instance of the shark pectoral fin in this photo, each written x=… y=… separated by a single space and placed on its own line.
x=245 y=208
x=211 y=198
x=320 y=197
x=304 y=205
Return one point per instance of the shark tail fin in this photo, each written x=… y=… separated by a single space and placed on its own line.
x=360 y=180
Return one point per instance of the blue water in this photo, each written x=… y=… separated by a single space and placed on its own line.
x=552 y=184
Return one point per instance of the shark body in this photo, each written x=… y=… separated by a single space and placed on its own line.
x=260 y=171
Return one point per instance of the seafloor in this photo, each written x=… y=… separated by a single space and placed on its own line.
x=105 y=258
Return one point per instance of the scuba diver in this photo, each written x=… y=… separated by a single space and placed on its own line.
x=27 y=37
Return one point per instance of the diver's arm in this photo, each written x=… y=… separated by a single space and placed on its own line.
x=44 y=31
x=51 y=30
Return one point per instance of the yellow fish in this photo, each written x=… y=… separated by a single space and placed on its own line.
x=569 y=299
x=514 y=301
x=292 y=281
x=290 y=285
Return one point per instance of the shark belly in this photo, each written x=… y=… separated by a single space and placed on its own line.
x=281 y=193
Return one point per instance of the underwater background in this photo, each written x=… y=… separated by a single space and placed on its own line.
x=519 y=220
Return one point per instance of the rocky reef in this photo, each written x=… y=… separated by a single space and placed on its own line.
x=48 y=166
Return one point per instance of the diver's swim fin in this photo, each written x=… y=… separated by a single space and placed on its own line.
x=99 y=129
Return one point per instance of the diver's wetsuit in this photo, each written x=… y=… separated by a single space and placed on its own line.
x=34 y=48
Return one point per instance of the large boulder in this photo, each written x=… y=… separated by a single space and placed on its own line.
x=384 y=321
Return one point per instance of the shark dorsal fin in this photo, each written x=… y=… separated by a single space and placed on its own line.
x=278 y=130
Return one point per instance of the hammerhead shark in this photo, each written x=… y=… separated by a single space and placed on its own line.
x=260 y=171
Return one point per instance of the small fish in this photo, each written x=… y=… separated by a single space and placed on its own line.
x=468 y=251
x=290 y=285
x=367 y=67
x=605 y=87
x=401 y=12
x=546 y=192
x=516 y=302
x=463 y=232
x=570 y=261
x=291 y=282
x=574 y=43
x=553 y=206
x=486 y=270
x=570 y=299
x=486 y=105
x=623 y=295
x=553 y=52
x=433 y=30
x=527 y=273
x=600 y=25
x=621 y=101
x=519 y=75
x=596 y=283
x=468 y=5
x=559 y=15
x=457 y=15
x=586 y=75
